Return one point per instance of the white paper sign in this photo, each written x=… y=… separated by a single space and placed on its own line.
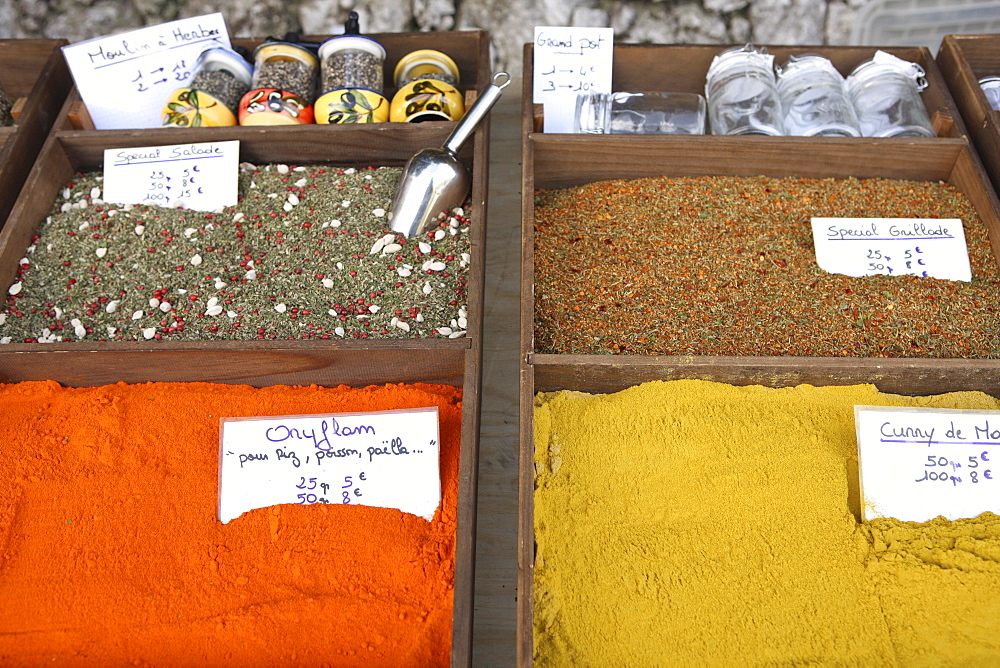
x=387 y=459
x=569 y=61
x=933 y=247
x=202 y=177
x=125 y=79
x=918 y=463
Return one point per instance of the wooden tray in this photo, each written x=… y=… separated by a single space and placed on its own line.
x=34 y=73
x=562 y=160
x=455 y=362
x=682 y=69
x=964 y=60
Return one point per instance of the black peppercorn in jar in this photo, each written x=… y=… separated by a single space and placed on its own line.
x=283 y=86
x=221 y=78
x=352 y=79
x=427 y=83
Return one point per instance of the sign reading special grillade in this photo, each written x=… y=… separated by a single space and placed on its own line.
x=919 y=463
x=125 y=79
x=387 y=459
x=200 y=177
x=931 y=247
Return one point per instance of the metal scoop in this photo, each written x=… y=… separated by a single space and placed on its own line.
x=434 y=180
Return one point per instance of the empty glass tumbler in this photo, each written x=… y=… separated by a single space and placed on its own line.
x=743 y=94
x=991 y=89
x=640 y=113
x=885 y=92
x=814 y=99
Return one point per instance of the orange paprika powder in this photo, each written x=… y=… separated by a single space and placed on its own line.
x=111 y=552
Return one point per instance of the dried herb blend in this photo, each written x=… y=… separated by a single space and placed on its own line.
x=725 y=266
x=307 y=252
x=5 y=106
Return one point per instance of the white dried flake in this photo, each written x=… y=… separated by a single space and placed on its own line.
x=287 y=206
x=111 y=330
x=444 y=330
x=403 y=271
x=392 y=248
x=463 y=322
x=189 y=231
x=66 y=193
x=149 y=332
x=95 y=192
x=350 y=170
x=59 y=312
x=253 y=184
x=424 y=247
x=111 y=213
x=339 y=331
x=466 y=260
x=427 y=288
x=248 y=167
x=293 y=199
x=165 y=306
x=219 y=284
x=231 y=314
x=405 y=326
x=251 y=274
x=76 y=322
x=378 y=213
x=112 y=306
x=238 y=216
x=101 y=252
x=300 y=168
x=435 y=265
x=6 y=339
x=66 y=206
x=301 y=183
x=80 y=331
x=139 y=229
x=345 y=203
x=419 y=317
x=462 y=313
x=335 y=223
x=439 y=235
x=455 y=335
x=137 y=315
x=127 y=207
x=374 y=308
x=181 y=291
x=281 y=169
x=328 y=283
x=340 y=265
x=213 y=301
x=272 y=196
x=214 y=310
x=453 y=231
x=453 y=222
x=459 y=211
x=280 y=308
x=377 y=247
x=154 y=302
x=14 y=289
x=196 y=259
x=23 y=261
x=82 y=226
x=3 y=318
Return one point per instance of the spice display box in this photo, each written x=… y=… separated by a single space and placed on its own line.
x=34 y=73
x=358 y=363
x=682 y=69
x=964 y=60
x=468 y=48
x=561 y=160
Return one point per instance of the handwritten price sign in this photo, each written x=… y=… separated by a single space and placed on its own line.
x=918 y=463
x=933 y=247
x=568 y=62
x=387 y=459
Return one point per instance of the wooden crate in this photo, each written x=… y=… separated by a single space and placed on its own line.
x=561 y=160
x=682 y=69
x=34 y=73
x=964 y=60
x=356 y=363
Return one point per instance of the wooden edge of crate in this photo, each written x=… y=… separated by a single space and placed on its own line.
x=525 y=518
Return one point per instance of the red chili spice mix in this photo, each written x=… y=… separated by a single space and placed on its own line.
x=726 y=266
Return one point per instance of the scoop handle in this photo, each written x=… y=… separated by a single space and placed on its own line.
x=476 y=112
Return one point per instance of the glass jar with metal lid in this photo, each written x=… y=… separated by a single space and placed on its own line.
x=427 y=88
x=814 y=99
x=885 y=91
x=991 y=89
x=221 y=78
x=283 y=86
x=742 y=93
x=640 y=113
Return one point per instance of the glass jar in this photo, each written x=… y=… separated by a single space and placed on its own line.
x=742 y=93
x=640 y=113
x=426 y=82
x=352 y=81
x=885 y=92
x=814 y=99
x=283 y=86
x=991 y=89
x=221 y=78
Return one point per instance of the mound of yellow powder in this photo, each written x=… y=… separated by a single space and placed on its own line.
x=688 y=522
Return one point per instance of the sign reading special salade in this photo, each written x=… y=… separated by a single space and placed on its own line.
x=387 y=459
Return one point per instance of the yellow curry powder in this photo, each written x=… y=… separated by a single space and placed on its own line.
x=689 y=522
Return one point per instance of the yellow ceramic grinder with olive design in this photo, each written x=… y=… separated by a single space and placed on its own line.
x=221 y=77
x=426 y=82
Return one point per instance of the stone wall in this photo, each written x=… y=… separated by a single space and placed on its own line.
x=510 y=22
